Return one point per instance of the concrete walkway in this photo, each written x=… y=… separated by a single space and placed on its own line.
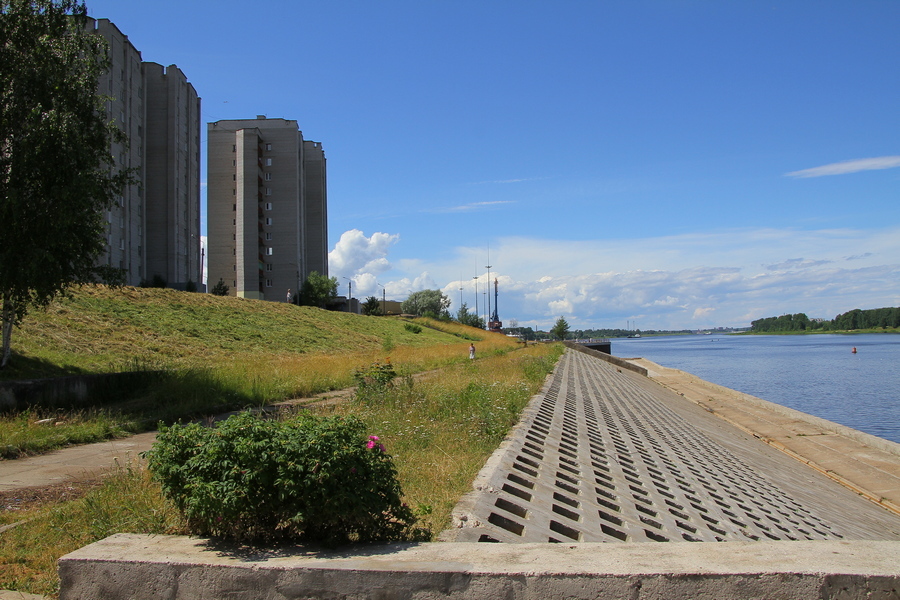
x=89 y=461
x=604 y=454
x=866 y=464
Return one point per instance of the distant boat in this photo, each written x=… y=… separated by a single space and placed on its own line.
x=634 y=335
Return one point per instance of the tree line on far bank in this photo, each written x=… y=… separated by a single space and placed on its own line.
x=875 y=318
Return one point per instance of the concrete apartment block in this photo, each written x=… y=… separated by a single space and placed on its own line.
x=266 y=206
x=123 y=86
x=172 y=188
x=154 y=227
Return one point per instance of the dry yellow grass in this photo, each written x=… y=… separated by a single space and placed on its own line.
x=442 y=428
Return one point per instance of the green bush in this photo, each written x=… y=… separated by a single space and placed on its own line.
x=412 y=328
x=315 y=479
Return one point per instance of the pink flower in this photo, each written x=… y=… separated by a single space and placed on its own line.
x=370 y=444
x=381 y=447
x=374 y=438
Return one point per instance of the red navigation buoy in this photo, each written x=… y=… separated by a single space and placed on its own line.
x=854 y=350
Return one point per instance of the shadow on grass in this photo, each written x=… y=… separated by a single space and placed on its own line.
x=120 y=404
x=28 y=367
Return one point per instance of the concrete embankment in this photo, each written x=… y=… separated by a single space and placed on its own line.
x=864 y=463
x=603 y=454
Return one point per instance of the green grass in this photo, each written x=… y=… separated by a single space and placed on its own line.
x=440 y=429
x=128 y=501
x=101 y=330
x=214 y=354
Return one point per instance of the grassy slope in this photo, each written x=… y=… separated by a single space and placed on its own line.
x=99 y=329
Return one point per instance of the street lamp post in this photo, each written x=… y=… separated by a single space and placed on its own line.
x=383 y=301
x=476 y=297
x=489 y=295
x=349 y=294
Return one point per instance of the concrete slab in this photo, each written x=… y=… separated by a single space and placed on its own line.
x=607 y=455
x=140 y=567
x=864 y=463
x=12 y=595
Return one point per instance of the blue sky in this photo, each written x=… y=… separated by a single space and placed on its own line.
x=677 y=164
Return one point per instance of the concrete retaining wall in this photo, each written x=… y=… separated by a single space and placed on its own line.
x=140 y=567
x=624 y=364
x=73 y=390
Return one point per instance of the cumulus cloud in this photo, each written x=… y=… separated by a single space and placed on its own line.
x=703 y=280
x=849 y=166
x=355 y=253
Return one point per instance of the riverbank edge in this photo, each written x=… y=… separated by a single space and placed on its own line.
x=867 y=464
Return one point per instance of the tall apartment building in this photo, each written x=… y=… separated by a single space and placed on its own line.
x=266 y=207
x=154 y=227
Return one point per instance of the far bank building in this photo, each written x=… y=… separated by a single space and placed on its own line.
x=266 y=207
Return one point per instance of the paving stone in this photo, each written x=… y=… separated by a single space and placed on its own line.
x=606 y=455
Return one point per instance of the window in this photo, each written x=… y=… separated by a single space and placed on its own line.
x=268 y=267
x=234 y=207
x=268 y=283
x=269 y=251
x=268 y=236
x=268 y=162
x=268 y=177
x=234 y=177
x=234 y=147
x=268 y=146
x=268 y=191
x=268 y=220
x=268 y=206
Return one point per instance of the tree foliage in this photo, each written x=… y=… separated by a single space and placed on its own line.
x=855 y=319
x=432 y=303
x=57 y=174
x=372 y=306
x=318 y=290
x=466 y=318
x=560 y=329
x=220 y=289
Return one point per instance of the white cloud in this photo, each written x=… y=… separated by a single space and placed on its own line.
x=849 y=166
x=674 y=282
x=355 y=253
x=472 y=206
x=508 y=180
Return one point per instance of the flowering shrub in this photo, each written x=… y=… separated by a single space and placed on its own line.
x=315 y=479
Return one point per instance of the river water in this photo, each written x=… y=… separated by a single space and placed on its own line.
x=816 y=374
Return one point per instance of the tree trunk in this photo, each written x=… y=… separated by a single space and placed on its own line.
x=9 y=317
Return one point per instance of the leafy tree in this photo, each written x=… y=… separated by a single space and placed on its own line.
x=466 y=318
x=56 y=168
x=220 y=289
x=560 y=329
x=372 y=306
x=318 y=290
x=427 y=301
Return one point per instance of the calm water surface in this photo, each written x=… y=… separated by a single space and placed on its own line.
x=816 y=374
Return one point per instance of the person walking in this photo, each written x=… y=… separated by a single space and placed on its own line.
x=289 y=296
x=472 y=351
